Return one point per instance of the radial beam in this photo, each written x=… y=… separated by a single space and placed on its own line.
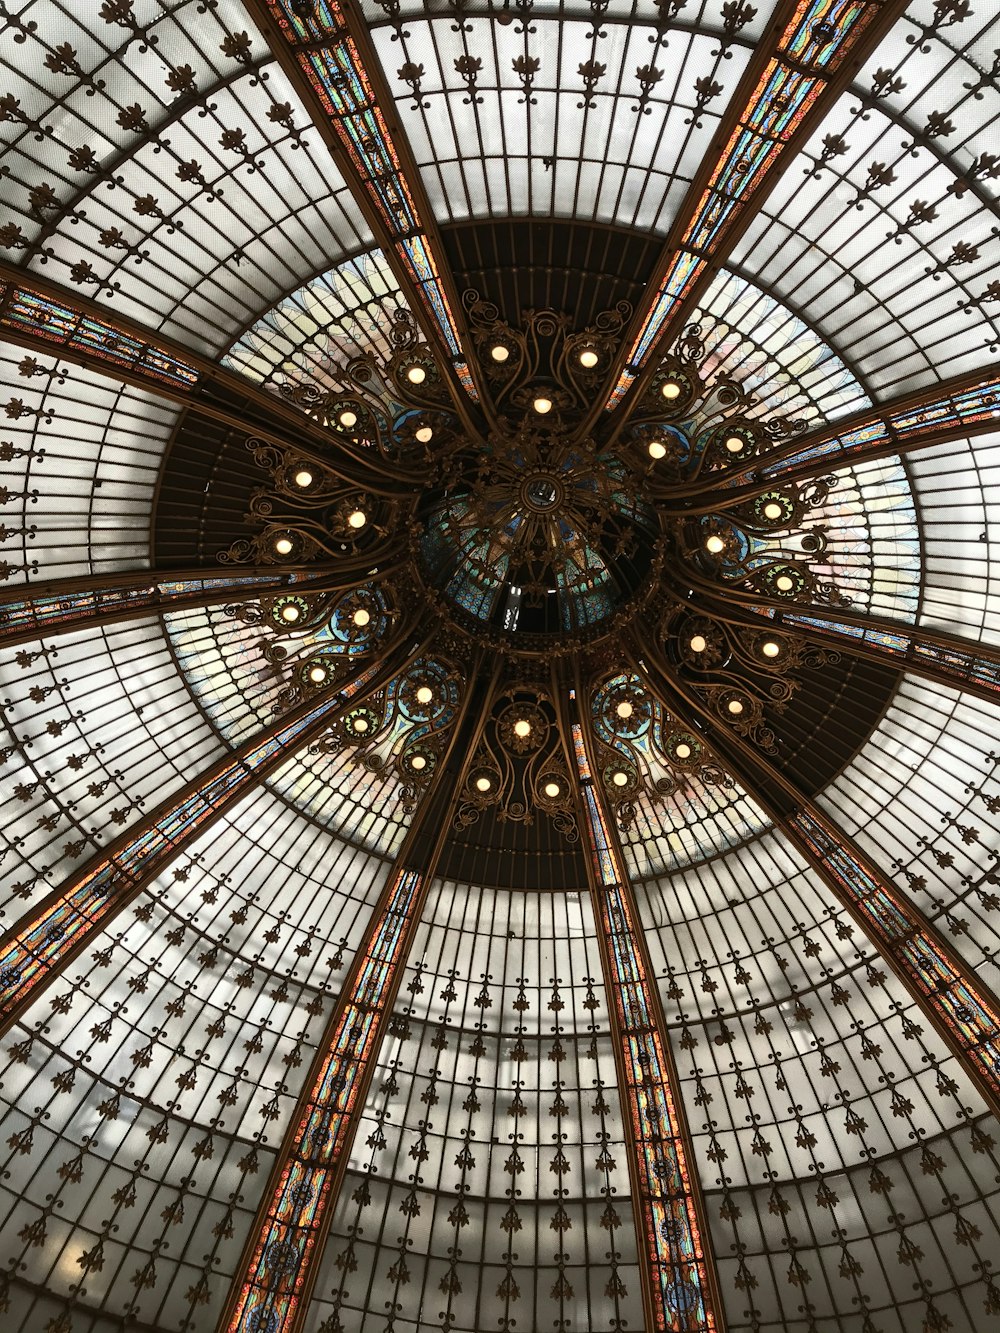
x=680 y=1286
x=278 y=1269
x=811 y=52
x=62 y=606
x=962 y=1009
x=963 y=406
x=45 y=317
x=947 y=659
x=326 y=52
x=49 y=936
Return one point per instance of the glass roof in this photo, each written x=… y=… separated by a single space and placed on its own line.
x=169 y=164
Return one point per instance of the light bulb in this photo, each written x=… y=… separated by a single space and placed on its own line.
x=715 y=544
x=619 y=778
x=683 y=750
x=290 y=613
x=360 y=724
x=416 y=374
x=552 y=788
x=361 y=617
x=348 y=418
x=317 y=674
x=357 y=519
x=772 y=510
x=424 y=434
x=483 y=784
x=589 y=358
x=522 y=728
x=425 y=694
x=283 y=545
x=499 y=353
x=657 y=449
x=624 y=709
x=771 y=649
x=784 y=583
x=670 y=390
x=303 y=478
x=698 y=643
x=542 y=405
x=733 y=443
x=418 y=762
x=735 y=707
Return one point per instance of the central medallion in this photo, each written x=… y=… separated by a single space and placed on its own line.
x=541 y=493
x=538 y=534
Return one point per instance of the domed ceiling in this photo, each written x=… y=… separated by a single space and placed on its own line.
x=500 y=663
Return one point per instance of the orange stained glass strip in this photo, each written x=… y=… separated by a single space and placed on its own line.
x=270 y=1295
x=947 y=988
x=330 y=60
x=819 y=37
x=682 y=1292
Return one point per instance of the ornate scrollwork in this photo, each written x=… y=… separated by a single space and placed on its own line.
x=544 y=356
x=642 y=750
x=518 y=768
x=538 y=535
x=400 y=731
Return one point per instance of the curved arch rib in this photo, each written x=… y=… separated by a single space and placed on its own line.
x=947 y=659
x=49 y=936
x=964 y=1012
x=789 y=85
x=326 y=53
x=47 y=318
x=297 y=1208
x=61 y=606
x=967 y=404
x=680 y=1286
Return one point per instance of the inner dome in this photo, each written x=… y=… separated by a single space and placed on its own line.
x=539 y=535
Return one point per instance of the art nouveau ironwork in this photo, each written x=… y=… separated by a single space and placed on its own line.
x=498 y=667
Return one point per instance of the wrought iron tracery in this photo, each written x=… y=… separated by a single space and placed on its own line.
x=676 y=573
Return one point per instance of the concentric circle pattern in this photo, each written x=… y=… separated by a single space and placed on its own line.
x=499 y=664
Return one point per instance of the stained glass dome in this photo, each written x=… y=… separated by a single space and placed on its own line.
x=499 y=666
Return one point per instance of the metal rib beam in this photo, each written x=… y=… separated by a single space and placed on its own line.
x=47 y=318
x=809 y=56
x=297 y=1206
x=49 y=936
x=965 y=405
x=946 y=659
x=680 y=1286
x=326 y=52
x=962 y=1009
x=61 y=606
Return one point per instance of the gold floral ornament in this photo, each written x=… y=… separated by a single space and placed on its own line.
x=399 y=732
x=642 y=752
x=519 y=767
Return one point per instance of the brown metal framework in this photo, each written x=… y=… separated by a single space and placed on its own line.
x=956 y=978
x=533 y=457
x=766 y=57
x=365 y=1005
x=50 y=935
x=285 y=49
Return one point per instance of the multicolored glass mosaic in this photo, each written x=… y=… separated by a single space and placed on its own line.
x=25 y=311
x=271 y=1291
x=74 y=912
x=818 y=38
x=947 y=414
x=672 y=1232
x=966 y=1012
x=954 y=662
x=331 y=61
x=82 y=606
